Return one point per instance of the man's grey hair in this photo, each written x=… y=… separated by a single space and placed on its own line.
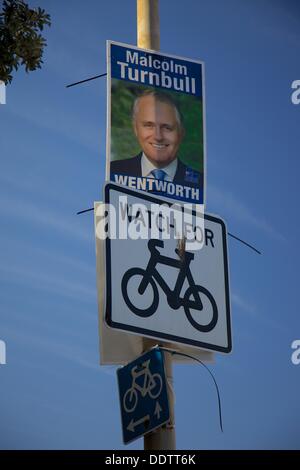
x=162 y=98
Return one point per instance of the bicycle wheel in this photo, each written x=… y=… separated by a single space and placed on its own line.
x=141 y=312
x=130 y=400
x=156 y=386
x=192 y=305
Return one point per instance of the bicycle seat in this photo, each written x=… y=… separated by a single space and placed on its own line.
x=154 y=243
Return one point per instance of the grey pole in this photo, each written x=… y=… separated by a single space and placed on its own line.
x=148 y=37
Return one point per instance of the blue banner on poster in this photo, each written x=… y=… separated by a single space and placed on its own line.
x=147 y=68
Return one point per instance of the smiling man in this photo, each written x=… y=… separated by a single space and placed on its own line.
x=158 y=127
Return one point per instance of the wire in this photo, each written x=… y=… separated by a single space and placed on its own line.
x=85 y=210
x=230 y=234
x=86 y=80
x=245 y=243
x=173 y=351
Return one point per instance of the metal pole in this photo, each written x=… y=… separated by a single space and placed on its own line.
x=148 y=24
x=163 y=438
x=148 y=37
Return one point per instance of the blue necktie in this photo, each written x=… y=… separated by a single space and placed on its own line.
x=159 y=174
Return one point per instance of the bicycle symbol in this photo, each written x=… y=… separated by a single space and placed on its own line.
x=151 y=385
x=191 y=299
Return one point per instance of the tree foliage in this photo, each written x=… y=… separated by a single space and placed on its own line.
x=20 y=40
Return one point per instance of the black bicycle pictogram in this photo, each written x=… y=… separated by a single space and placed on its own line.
x=191 y=299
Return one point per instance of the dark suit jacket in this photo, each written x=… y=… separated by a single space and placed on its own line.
x=133 y=167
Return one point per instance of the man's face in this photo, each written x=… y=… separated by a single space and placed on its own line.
x=157 y=130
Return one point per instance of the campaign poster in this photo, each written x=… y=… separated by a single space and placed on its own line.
x=156 y=123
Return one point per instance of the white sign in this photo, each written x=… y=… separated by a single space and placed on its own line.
x=154 y=289
x=119 y=347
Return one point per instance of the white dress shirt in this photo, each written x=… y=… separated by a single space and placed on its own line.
x=147 y=167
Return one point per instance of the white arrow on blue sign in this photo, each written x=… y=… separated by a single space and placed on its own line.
x=143 y=395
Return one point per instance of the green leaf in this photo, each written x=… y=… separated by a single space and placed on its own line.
x=20 y=42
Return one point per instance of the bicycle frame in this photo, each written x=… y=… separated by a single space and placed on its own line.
x=147 y=374
x=173 y=296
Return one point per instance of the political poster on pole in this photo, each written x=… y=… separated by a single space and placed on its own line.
x=156 y=123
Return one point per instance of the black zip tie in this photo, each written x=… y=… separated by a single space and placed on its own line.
x=86 y=80
x=230 y=234
x=173 y=351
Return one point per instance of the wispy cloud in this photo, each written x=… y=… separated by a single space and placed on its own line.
x=34 y=213
x=54 y=284
x=34 y=186
x=242 y=303
x=50 y=257
x=258 y=314
x=71 y=352
x=68 y=123
x=232 y=207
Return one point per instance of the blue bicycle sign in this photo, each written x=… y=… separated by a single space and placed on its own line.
x=143 y=395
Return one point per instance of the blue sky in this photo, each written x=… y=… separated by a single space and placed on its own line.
x=54 y=395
